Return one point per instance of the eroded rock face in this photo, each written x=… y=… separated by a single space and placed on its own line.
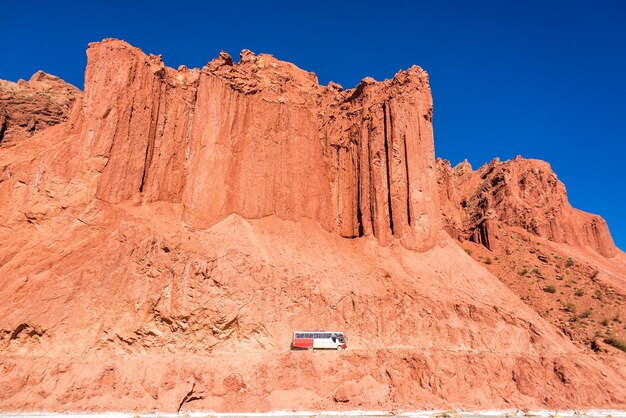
x=263 y=138
x=521 y=193
x=27 y=107
x=161 y=246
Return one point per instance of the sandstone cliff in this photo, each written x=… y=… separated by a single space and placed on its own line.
x=162 y=244
x=27 y=107
x=522 y=193
x=262 y=138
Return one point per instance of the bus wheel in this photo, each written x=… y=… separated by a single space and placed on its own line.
x=310 y=347
x=339 y=347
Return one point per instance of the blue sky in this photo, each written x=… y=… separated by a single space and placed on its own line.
x=543 y=79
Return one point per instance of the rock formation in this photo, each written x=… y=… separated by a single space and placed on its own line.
x=27 y=107
x=514 y=218
x=522 y=193
x=162 y=244
x=262 y=138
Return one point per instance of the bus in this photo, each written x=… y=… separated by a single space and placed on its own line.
x=318 y=339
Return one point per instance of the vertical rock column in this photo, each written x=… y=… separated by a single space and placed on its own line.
x=348 y=194
x=397 y=167
x=253 y=155
x=396 y=173
x=379 y=176
x=135 y=117
x=423 y=199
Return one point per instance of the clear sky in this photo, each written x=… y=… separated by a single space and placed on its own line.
x=543 y=79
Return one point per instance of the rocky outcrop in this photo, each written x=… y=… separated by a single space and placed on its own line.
x=261 y=137
x=521 y=193
x=161 y=246
x=27 y=107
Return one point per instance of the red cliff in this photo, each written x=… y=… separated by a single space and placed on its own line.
x=162 y=244
x=30 y=106
x=261 y=137
x=520 y=193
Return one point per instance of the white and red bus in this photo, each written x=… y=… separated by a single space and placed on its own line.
x=318 y=339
